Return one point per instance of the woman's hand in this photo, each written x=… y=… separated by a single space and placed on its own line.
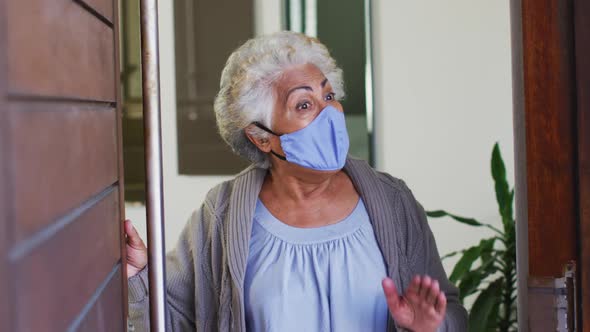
x=137 y=255
x=421 y=309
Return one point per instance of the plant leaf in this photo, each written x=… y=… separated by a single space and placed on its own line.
x=493 y=320
x=442 y=213
x=482 y=250
x=464 y=263
x=483 y=307
x=509 y=212
x=487 y=248
x=504 y=196
x=469 y=283
x=471 y=280
x=451 y=254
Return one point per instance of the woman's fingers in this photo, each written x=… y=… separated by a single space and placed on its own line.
x=441 y=304
x=413 y=292
x=430 y=304
x=136 y=250
x=391 y=294
x=425 y=287
x=423 y=290
x=421 y=308
x=129 y=229
x=433 y=292
x=133 y=238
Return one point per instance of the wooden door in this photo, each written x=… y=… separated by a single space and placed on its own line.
x=551 y=67
x=61 y=244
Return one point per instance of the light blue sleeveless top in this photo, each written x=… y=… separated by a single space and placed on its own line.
x=314 y=279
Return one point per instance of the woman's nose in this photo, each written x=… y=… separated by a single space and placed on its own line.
x=334 y=104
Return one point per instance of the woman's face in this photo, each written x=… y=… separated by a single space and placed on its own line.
x=302 y=93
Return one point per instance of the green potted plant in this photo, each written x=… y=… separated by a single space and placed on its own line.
x=488 y=269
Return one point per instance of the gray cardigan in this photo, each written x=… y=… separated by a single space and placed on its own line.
x=205 y=272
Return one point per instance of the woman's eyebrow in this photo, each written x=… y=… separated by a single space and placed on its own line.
x=305 y=87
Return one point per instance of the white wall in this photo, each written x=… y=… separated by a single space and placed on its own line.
x=442 y=98
x=268 y=16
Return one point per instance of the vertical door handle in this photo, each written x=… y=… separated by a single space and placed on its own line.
x=153 y=163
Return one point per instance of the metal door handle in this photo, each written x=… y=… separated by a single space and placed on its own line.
x=153 y=163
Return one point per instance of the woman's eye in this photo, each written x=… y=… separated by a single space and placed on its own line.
x=304 y=106
x=331 y=96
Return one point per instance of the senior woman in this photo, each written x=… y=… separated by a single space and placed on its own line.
x=305 y=239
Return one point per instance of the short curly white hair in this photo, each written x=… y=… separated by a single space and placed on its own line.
x=246 y=91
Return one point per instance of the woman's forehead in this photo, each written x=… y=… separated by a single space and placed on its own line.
x=307 y=74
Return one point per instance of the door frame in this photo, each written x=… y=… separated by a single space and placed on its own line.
x=551 y=99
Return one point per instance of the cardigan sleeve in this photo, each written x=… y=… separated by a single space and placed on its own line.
x=180 y=283
x=424 y=259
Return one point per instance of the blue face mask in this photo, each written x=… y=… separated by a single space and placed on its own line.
x=322 y=145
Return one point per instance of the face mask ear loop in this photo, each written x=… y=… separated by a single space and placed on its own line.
x=278 y=155
x=263 y=127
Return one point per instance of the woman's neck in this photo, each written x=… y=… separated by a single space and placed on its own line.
x=293 y=183
x=302 y=197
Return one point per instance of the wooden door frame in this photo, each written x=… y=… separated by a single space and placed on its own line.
x=118 y=92
x=551 y=96
x=582 y=56
x=5 y=233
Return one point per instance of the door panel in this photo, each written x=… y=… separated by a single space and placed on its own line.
x=59 y=49
x=550 y=82
x=74 y=143
x=6 y=313
x=103 y=316
x=102 y=8
x=550 y=135
x=69 y=273
x=62 y=246
x=582 y=42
